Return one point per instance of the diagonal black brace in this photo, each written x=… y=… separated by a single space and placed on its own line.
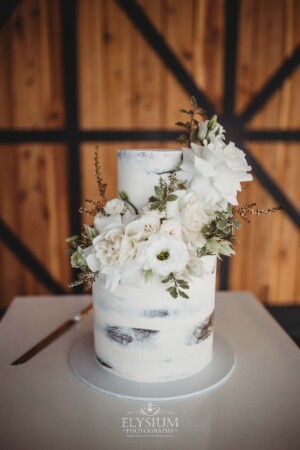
x=6 y=9
x=24 y=255
x=137 y=15
x=270 y=185
x=271 y=86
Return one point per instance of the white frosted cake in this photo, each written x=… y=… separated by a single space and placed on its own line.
x=142 y=333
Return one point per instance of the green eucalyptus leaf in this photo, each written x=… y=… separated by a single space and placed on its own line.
x=172 y=198
x=236 y=224
x=183 y=294
x=222 y=224
x=158 y=191
x=154 y=205
x=174 y=293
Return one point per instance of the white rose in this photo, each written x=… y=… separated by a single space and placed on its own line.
x=114 y=206
x=193 y=218
x=108 y=244
x=215 y=172
x=172 y=227
x=165 y=254
x=143 y=227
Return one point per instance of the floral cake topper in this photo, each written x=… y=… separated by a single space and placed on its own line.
x=193 y=213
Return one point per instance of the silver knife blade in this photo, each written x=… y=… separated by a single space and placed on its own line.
x=53 y=336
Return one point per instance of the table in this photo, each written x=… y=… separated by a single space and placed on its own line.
x=44 y=406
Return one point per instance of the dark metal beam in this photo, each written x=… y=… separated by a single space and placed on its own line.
x=69 y=63
x=274 y=83
x=157 y=42
x=270 y=185
x=230 y=67
x=230 y=60
x=32 y=136
x=272 y=135
x=62 y=136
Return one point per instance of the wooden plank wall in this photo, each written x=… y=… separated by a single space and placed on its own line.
x=124 y=85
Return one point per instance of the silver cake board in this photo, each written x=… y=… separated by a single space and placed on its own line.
x=85 y=365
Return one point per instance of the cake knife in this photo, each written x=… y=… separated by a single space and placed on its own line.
x=52 y=336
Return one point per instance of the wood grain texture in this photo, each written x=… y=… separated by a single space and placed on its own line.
x=34 y=186
x=123 y=84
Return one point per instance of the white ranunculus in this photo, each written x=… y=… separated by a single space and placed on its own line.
x=101 y=222
x=206 y=137
x=215 y=172
x=165 y=254
x=143 y=227
x=114 y=206
x=172 y=227
x=128 y=217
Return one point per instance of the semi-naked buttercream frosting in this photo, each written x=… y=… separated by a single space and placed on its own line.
x=140 y=331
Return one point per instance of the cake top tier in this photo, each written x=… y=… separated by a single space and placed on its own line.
x=139 y=171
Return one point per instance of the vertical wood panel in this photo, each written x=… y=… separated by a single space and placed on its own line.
x=33 y=188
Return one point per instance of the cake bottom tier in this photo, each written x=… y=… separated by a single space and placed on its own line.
x=138 y=365
x=173 y=348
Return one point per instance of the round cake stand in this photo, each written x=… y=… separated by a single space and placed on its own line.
x=85 y=365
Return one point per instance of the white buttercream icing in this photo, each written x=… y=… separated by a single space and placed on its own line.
x=139 y=171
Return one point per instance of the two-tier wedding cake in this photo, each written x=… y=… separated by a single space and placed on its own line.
x=141 y=332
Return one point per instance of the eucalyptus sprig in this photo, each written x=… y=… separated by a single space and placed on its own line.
x=178 y=286
x=223 y=226
x=165 y=192
x=220 y=233
x=190 y=126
